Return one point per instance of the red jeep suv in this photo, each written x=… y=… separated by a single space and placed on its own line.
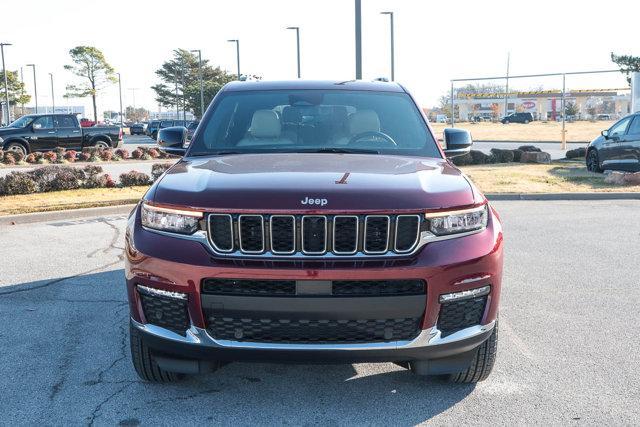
x=315 y=222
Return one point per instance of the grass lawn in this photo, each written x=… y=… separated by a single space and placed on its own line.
x=535 y=131
x=560 y=177
x=69 y=199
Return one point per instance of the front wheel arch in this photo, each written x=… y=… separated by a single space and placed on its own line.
x=101 y=139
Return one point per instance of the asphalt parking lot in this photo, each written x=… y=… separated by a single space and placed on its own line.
x=568 y=351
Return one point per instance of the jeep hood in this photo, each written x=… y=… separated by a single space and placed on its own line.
x=281 y=181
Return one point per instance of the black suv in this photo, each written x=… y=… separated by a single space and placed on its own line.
x=517 y=118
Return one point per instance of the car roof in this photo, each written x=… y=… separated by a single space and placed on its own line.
x=377 y=86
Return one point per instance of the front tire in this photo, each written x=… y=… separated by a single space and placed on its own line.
x=144 y=362
x=593 y=161
x=102 y=144
x=16 y=147
x=482 y=362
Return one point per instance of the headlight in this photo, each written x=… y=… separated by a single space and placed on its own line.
x=462 y=221
x=172 y=220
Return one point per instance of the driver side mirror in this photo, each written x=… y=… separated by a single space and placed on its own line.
x=173 y=140
x=605 y=133
x=457 y=141
x=37 y=126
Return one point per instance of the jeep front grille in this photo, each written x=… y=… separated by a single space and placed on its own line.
x=313 y=235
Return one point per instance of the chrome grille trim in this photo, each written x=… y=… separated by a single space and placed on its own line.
x=271 y=234
x=333 y=243
x=240 y=233
x=395 y=234
x=364 y=241
x=210 y=234
x=324 y=217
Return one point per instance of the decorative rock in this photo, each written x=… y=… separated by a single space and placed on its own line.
x=576 y=153
x=529 y=148
x=535 y=157
x=622 y=178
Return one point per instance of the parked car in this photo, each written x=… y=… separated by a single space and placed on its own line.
x=43 y=132
x=317 y=222
x=156 y=125
x=518 y=118
x=136 y=129
x=617 y=148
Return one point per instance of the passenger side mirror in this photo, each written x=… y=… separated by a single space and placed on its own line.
x=605 y=133
x=172 y=140
x=37 y=126
x=458 y=142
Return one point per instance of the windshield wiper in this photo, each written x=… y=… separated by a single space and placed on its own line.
x=341 y=150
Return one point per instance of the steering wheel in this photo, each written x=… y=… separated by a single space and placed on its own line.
x=372 y=133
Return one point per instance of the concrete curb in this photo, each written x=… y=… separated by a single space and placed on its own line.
x=65 y=215
x=565 y=196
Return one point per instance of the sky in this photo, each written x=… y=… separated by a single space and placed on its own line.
x=435 y=41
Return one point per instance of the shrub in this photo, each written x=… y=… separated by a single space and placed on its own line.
x=153 y=153
x=502 y=156
x=70 y=155
x=106 y=155
x=529 y=148
x=95 y=181
x=85 y=156
x=55 y=178
x=60 y=151
x=132 y=178
x=92 y=170
x=123 y=153
x=158 y=169
x=145 y=156
x=31 y=158
x=17 y=183
x=9 y=159
x=39 y=155
x=109 y=182
x=50 y=156
x=137 y=153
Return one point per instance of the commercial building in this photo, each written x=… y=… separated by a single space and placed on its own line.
x=545 y=105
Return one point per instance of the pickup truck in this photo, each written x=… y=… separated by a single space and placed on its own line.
x=44 y=132
x=318 y=222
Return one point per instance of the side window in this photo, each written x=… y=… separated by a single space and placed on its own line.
x=45 y=122
x=634 y=129
x=65 y=122
x=620 y=127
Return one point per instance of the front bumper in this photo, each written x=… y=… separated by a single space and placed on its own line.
x=178 y=265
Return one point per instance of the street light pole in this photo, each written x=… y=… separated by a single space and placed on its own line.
x=297 y=45
x=237 y=42
x=392 y=45
x=21 y=91
x=120 y=95
x=358 y=39
x=200 y=79
x=506 y=92
x=53 y=100
x=6 y=84
x=35 y=85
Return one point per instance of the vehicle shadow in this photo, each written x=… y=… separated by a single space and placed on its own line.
x=70 y=338
x=577 y=173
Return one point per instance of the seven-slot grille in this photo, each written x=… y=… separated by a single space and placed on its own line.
x=313 y=235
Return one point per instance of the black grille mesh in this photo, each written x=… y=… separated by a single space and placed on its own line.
x=313 y=331
x=283 y=234
x=165 y=312
x=377 y=234
x=406 y=232
x=378 y=287
x=221 y=233
x=249 y=287
x=251 y=233
x=457 y=315
x=314 y=234
x=345 y=234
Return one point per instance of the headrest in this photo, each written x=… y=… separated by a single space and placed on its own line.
x=265 y=124
x=291 y=115
x=364 y=121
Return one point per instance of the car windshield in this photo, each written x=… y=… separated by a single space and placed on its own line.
x=21 y=122
x=300 y=121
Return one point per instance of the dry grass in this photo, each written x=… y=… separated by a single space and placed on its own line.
x=70 y=199
x=535 y=131
x=562 y=177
